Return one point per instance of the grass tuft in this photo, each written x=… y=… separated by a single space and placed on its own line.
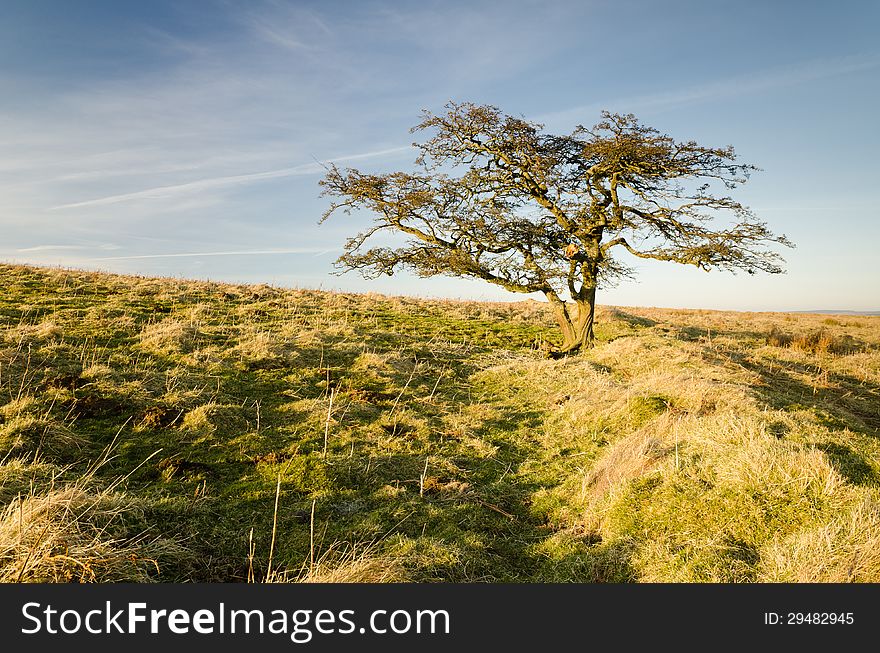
x=365 y=438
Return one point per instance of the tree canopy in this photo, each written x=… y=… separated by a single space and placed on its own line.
x=493 y=197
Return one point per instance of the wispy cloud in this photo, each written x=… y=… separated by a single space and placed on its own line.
x=758 y=82
x=255 y=252
x=48 y=248
x=161 y=192
x=283 y=40
x=52 y=248
x=290 y=27
x=173 y=131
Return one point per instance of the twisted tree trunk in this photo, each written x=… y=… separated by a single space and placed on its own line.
x=577 y=328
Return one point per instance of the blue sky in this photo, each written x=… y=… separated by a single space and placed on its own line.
x=185 y=138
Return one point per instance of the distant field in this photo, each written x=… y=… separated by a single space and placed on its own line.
x=150 y=427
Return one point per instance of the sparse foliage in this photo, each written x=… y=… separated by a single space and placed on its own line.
x=497 y=199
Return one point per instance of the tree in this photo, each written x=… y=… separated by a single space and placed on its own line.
x=495 y=198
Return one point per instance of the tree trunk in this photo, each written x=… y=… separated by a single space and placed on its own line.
x=577 y=330
x=586 y=317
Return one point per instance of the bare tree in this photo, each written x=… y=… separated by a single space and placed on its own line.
x=495 y=198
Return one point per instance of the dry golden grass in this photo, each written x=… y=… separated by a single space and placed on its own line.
x=70 y=534
x=707 y=451
x=26 y=434
x=170 y=336
x=349 y=564
x=820 y=341
x=631 y=457
x=688 y=445
x=844 y=550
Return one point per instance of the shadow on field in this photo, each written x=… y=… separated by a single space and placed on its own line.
x=630 y=319
x=454 y=506
x=471 y=514
x=849 y=463
x=197 y=423
x=841 y=400
x=839 y=344
x=838 y=401
x=459 y=518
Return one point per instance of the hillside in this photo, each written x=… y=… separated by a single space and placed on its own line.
x=165 y=430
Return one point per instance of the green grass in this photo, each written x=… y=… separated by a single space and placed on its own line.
x=428 y=440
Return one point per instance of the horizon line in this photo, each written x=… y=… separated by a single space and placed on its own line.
x=72 y=268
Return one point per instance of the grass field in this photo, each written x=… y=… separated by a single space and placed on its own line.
x=166 y=430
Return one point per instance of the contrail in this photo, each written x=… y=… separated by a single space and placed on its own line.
x=255 y=252
x=216 y=182
x=805 y=72
x=47 y=248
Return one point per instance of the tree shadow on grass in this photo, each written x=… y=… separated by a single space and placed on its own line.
x=841 y=400
x=630 y=319
x=849 y=463
x=838 y=401
x=840 y=344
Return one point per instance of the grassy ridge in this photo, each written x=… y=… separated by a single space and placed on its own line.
x=148 y=427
